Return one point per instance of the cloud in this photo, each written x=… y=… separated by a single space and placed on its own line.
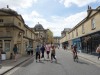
x=17 y=4
x=79 y=3
x=56 y=24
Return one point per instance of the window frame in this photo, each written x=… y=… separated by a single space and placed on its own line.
x=93 y=24
x=1 y=20
x=77 y=32
x=83 y=30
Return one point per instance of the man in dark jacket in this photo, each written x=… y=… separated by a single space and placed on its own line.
x=15 y=50
x=37 y=53
x=42 y=51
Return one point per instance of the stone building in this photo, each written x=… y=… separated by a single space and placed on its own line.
x=86 y=34
x=57 y=40
x=13 y=30
x=43 y=36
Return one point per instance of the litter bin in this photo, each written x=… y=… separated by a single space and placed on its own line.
x=3 y=56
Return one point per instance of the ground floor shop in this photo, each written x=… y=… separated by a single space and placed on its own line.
x=90 y=42
x=77 y=41
x=65 y=45
x=7 y=44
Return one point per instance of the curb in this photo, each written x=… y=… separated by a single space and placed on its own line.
x=89 y=60
x=86 y=59
x=16 y=65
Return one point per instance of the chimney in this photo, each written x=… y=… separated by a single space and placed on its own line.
x=7 y=6
x=89 y=9
x=88 y=6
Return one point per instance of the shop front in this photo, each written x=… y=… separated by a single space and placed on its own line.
x=65 y=45
x=77 y=41
x=90 y=42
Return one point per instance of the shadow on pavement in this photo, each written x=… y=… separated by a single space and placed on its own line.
x=80 y=62
x=40 y=62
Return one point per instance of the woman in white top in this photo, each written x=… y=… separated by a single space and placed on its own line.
x=47 y=50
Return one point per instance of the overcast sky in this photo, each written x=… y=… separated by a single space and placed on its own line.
x=53 y=14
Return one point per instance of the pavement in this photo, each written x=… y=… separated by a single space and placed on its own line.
x=89 y=57
x=7 y=65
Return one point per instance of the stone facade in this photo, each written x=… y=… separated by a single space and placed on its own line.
x=14 y=31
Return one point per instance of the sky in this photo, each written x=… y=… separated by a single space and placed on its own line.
x=51 y=14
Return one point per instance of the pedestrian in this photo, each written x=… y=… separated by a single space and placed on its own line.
x=47 y=50
x=74 y=50
x=64 y=47
x=37 y=53
x=53 y=53
x=42 y=51
x=98 y=51
x=28 y=50
x=15 y=50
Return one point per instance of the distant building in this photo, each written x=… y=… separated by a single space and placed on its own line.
x=57 y=40
x=63 y=33
x=43 y=36
x=64 y=37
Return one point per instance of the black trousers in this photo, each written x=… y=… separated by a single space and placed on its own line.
x=37 y=55
x=28 y=52
x=42 y=55
x=53 y=56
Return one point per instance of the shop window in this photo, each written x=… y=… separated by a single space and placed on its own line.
x=7 y=46
x=93 y=23
x=19 y=24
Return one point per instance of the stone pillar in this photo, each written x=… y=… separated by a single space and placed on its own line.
x=22 y=45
